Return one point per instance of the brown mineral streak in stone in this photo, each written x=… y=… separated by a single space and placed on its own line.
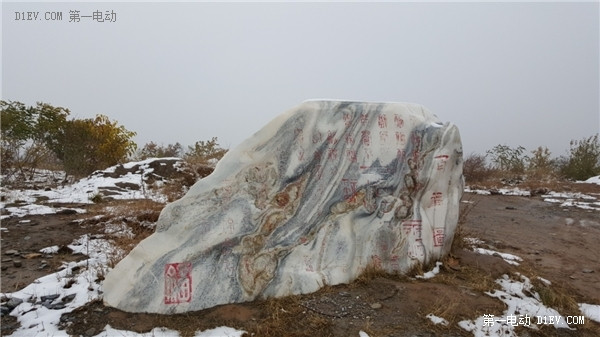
x=257 y=266
x=282 y=199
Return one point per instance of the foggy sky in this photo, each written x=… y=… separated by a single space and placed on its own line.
x=505 y=73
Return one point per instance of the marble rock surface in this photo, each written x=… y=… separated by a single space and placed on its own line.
x=312 y=199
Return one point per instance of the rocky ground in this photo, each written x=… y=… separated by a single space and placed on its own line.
x=556 y=243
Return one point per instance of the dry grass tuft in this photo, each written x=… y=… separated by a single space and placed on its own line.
x=142 y=209
x=458 y=241
x=470 y=278
x=370 y=272
x=176 y=189
x=287 y=314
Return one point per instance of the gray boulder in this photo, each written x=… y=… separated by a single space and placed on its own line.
x=312 y=199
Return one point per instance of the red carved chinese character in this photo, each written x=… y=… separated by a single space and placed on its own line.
x=349 y=189
x=347 y=119
x=364 y=117
x=366 y=137
x=438 y=237
x=298 y=135
x=351 y=154
x=382 y=121
x=400 y=137
x=332 y=153
x=441 y=164
x=398 y=120
x=331 y=137
x=412 y=227
x=308 y=263
x=436 y=198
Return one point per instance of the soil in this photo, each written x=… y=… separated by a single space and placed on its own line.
x=557 y=243
x=29 y=234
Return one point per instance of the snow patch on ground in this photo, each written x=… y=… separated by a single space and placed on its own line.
x=432 y=272
x=567 y=199
x=591 y=311
x=34 y=209
x=592 y=180
x=78 y=283
x=508 y=258
x=502 y=191
x=128 y=186
x=523 y=309
x=437 y=320
x=164 y=332
x=72 y=287
x=474 y=241
x=477 y=191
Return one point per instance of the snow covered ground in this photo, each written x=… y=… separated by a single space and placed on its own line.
x=128 y=185
x=39 y=306
x=565 y=199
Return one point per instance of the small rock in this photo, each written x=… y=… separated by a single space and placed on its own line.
x=510 y=208
x=13 y=303
x=376 y=306
x=17 y=263
x=69 y=298
x=66 y=211
x=27 y=238
x=344 y=294
x=49 y=297
x=4 y=310
x=57 y=306
x=32 y=255
x=90 y=332
x=11 y=252
x=6 y=260
x=587 y=271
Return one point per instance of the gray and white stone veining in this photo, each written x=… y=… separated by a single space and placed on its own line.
x=320 y=193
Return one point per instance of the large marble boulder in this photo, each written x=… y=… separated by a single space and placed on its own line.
x=312 y=199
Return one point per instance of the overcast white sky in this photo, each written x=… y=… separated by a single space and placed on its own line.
x=506 y=73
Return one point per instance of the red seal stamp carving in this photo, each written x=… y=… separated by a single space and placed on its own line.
x=438 y=237
x=178 y=282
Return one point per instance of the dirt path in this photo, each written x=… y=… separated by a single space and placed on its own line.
x=27 y=235
x=560 y=243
